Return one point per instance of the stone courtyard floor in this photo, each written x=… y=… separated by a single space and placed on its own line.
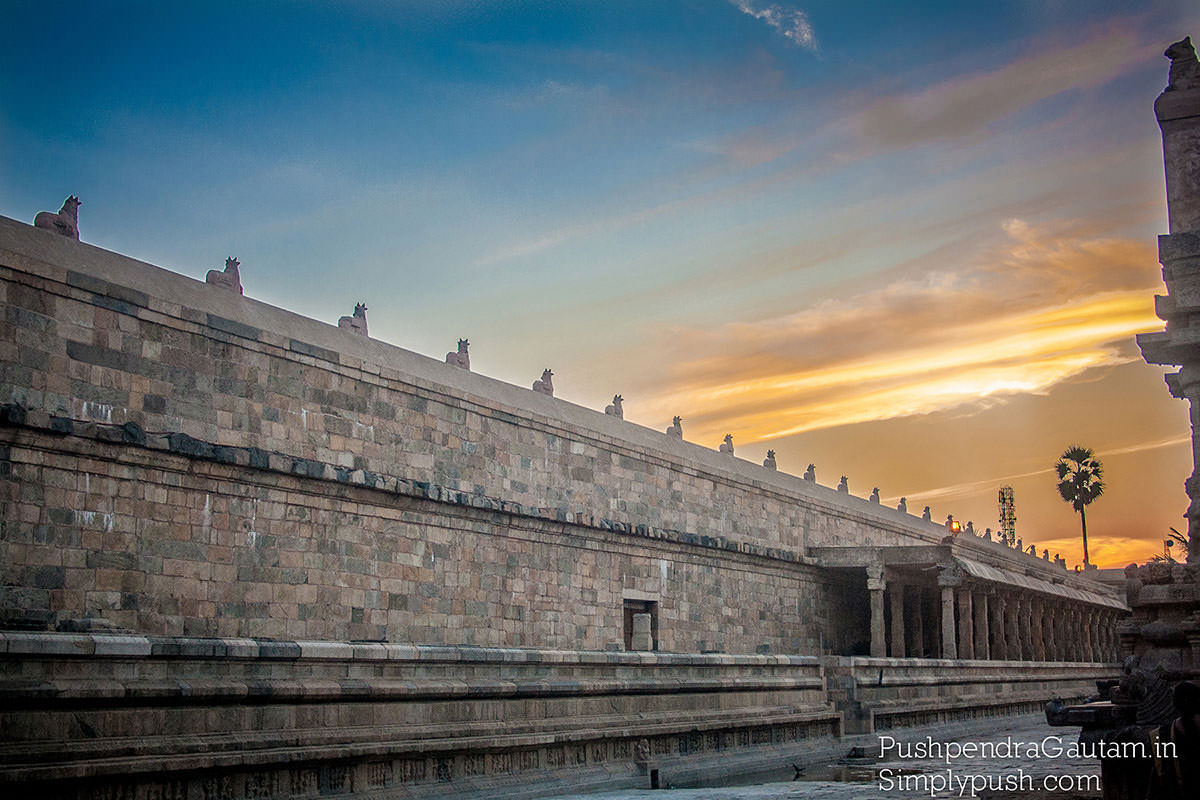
x=1036 y=763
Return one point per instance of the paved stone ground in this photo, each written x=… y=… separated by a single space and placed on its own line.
x=1047 y=774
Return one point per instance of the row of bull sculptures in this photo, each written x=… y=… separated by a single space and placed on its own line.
x=66 y=223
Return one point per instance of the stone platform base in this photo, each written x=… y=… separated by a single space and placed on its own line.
x=94 y=715
x=887 y=693
x=87 y=715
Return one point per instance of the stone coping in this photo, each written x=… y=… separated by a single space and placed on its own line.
x=39 y=644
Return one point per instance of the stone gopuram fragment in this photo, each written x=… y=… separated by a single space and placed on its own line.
x=1178 y=113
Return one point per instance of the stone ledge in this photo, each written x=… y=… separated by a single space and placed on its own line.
x=69 y=692
x=1174 y=248
x=34 y=644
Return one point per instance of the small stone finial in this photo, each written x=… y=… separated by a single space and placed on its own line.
x=615 y=410
x=987 y=534
x=874 y=498
x=65 y=222
x=927 y=514
x=1046 y=554
x=1185 y=69
x=949 y=520
x=461 y=358
x=1033 y=550
x=843 y=486
x=810 y=474
x=769 y=461
x=1020 y=545
x=902 y=506
x=970 y=527
x=544 y=384
x=229 y=278
x=676 y=429
x=358 y=322
x=727 y=445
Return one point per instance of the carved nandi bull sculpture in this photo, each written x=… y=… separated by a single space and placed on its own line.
x=727 y=445
x=229 y=278
x=615 y=409
x=544 y=384
x=358 y=322
x=676 y=429
x=461 y=358
x=65 y=222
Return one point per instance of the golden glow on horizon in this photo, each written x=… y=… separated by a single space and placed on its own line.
x=1024 y=352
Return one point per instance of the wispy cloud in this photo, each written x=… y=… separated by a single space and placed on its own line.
x=966 y=104
x=1042 y=308
x=766 y=156
x=989 y=484
x=792 y=23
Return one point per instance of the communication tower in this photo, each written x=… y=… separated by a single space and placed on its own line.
x=1008 y=515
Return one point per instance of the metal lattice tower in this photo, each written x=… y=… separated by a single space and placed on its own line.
x=1008 y=515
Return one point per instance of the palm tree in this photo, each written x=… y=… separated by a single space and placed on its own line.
x=1079 y=483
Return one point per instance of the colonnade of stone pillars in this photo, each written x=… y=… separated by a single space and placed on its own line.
x=984 y=621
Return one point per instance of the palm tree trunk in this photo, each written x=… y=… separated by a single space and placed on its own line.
x=1083 y=522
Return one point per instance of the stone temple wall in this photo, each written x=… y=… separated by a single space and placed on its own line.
x=244 y=553
x=160 y=543
x=190 y=461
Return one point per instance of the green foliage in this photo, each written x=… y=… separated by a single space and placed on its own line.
x=1080 y=482
x=1079 y=476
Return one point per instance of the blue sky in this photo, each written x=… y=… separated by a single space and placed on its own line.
x=830 y=229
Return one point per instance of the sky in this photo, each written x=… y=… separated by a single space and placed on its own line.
x=909 y=243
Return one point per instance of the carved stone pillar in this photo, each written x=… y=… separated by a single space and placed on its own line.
x=980 y=601
x=1059 y=641
x=999 y=628
x=966 y=625
x=1025 y=626
x=1051 y=620
x=916 y=622
x=949 y=579
x=875 y=586
x=1073 y=631
x=1062 y=644
x=1104 y=624
x=1085 y=633
x=1036 y=635
x=896 y=598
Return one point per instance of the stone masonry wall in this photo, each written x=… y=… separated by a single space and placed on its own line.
x=183 y=460
x=159 y=543
x=89 y=334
